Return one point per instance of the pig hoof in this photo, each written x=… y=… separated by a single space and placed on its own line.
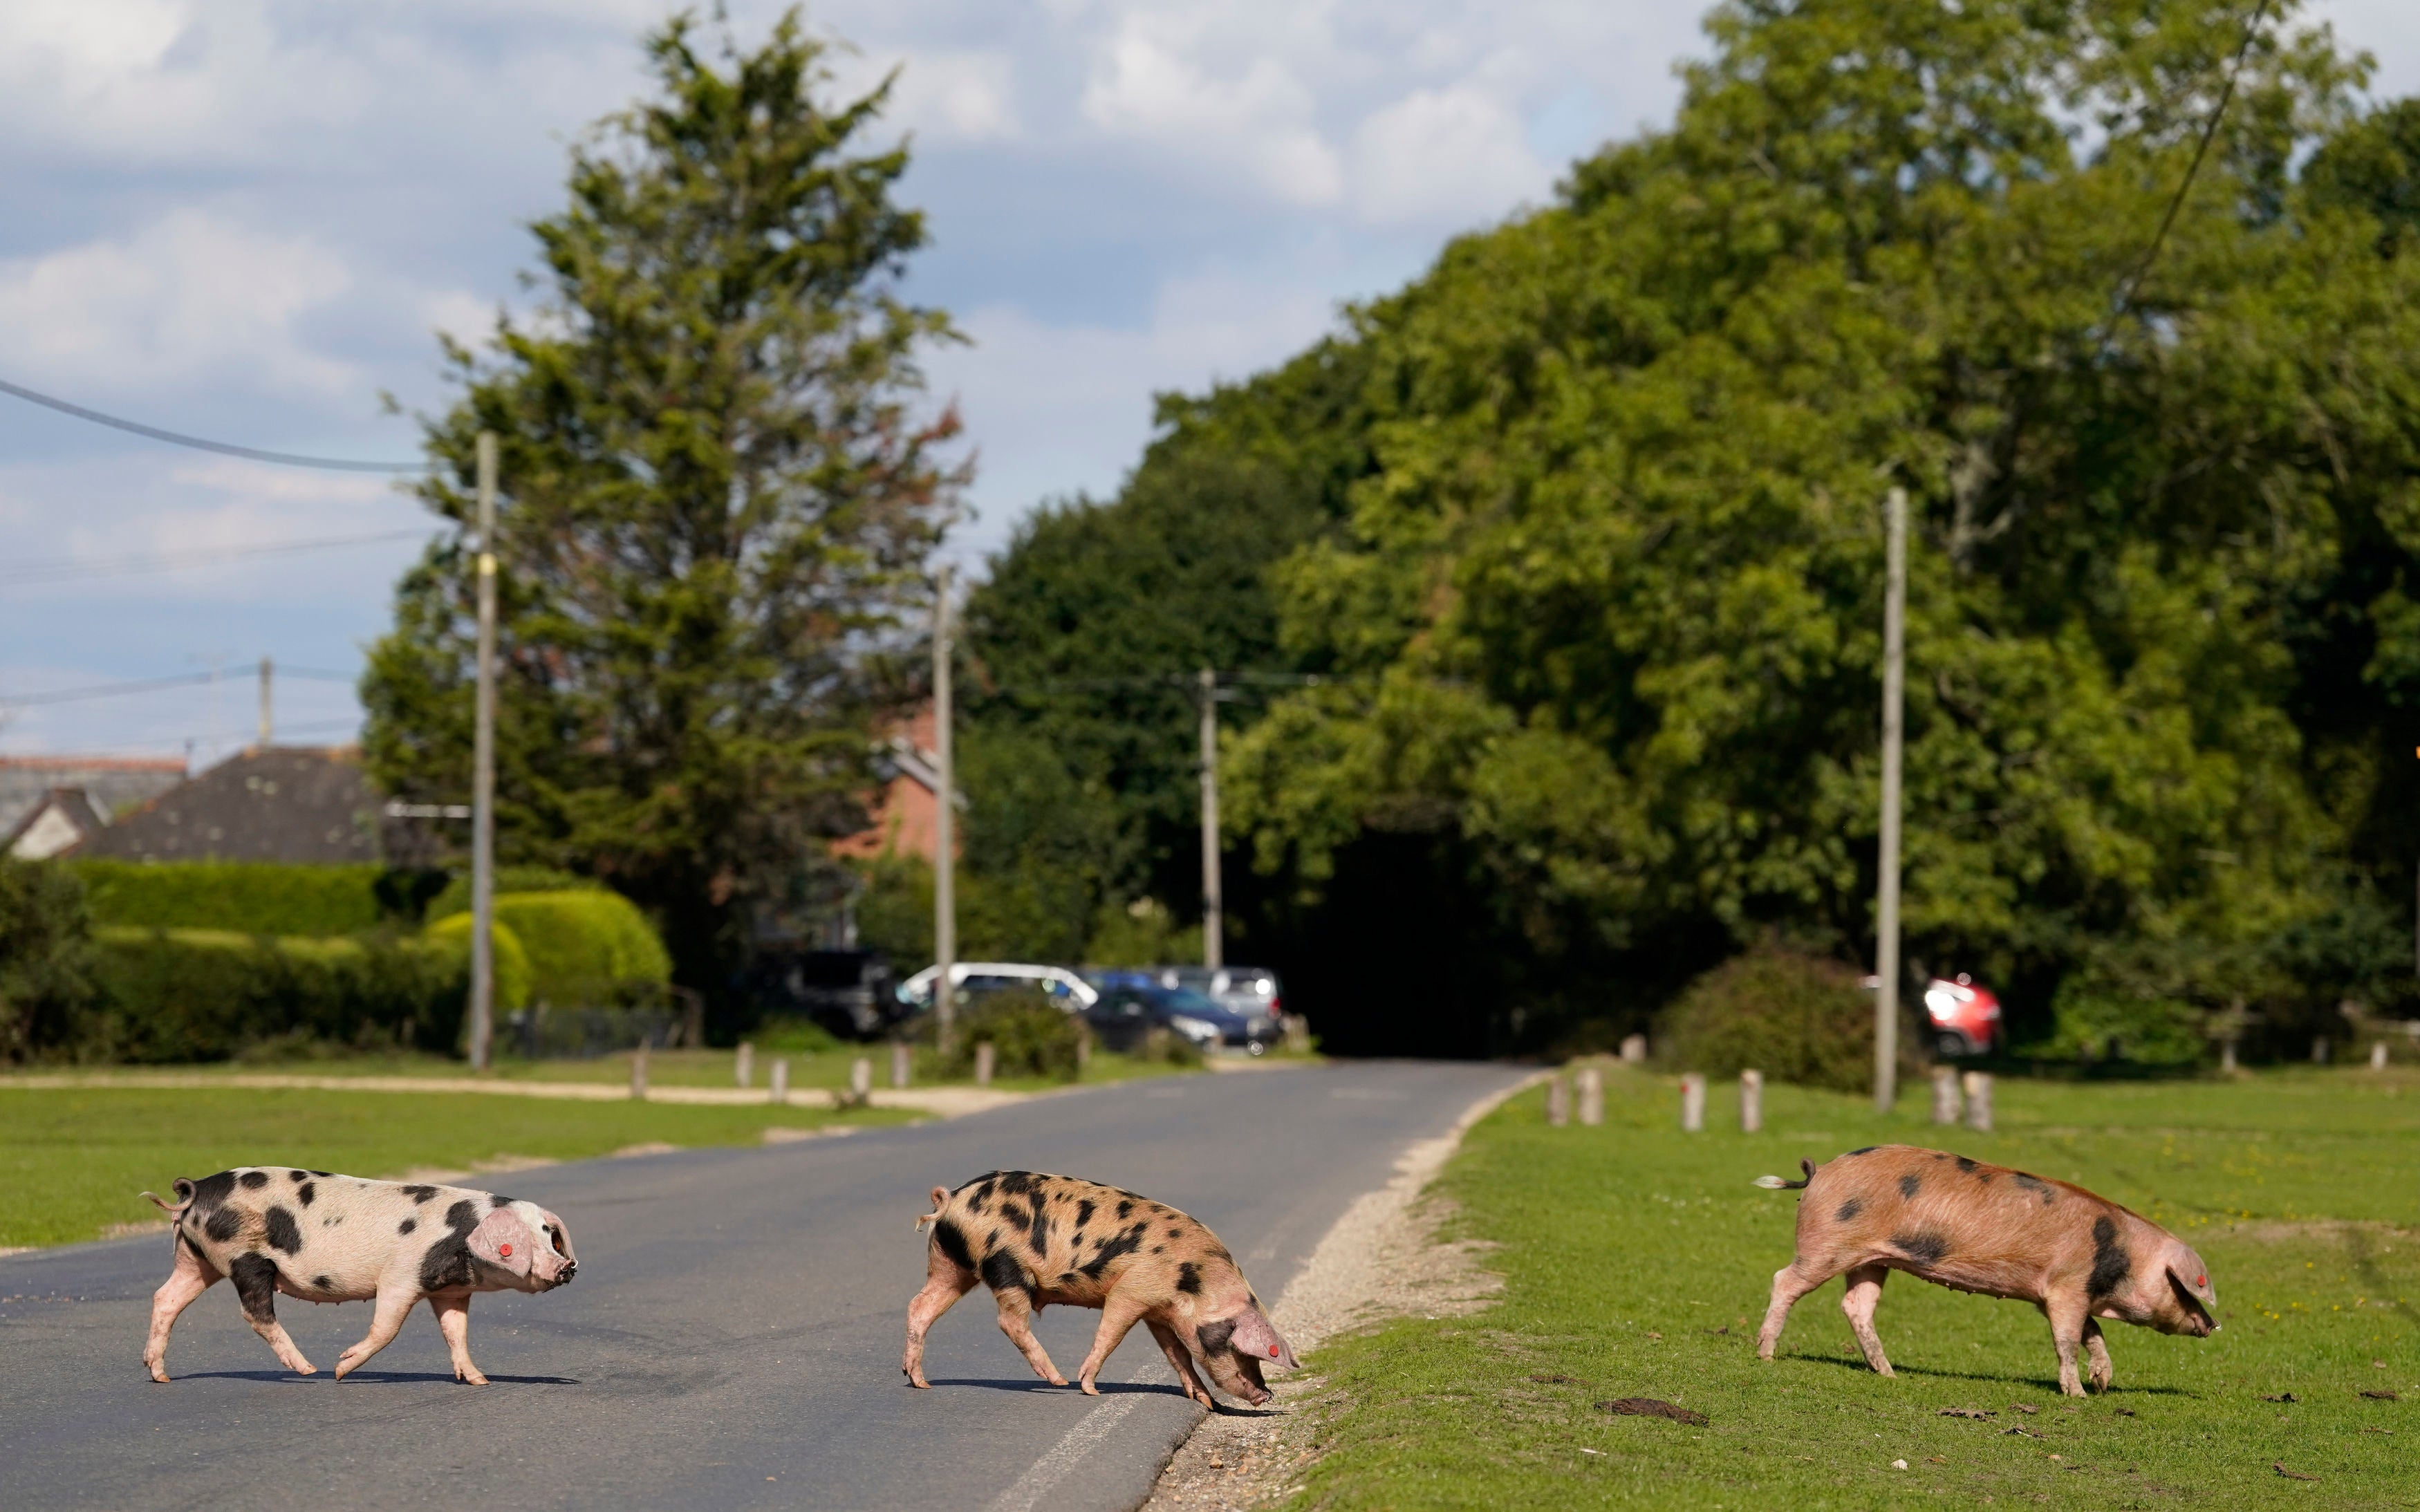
x=159 y=1375
x=471 y=1379
x=1087 y=1387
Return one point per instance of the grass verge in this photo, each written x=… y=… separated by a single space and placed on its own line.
x=1637 y=1261
x=72 y=1161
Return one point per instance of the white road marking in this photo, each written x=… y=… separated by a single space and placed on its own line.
x=1047 y=1472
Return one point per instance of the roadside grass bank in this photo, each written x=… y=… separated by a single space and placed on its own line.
x=73 y=1160
x=1637 y=1261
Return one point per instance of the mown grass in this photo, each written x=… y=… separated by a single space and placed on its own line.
x=72 y=1161
x=1637 y=1261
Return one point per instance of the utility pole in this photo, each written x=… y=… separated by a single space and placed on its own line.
x=483 y=776
x=266 y=724
x=945 y=902
x=1214 y=912
x=1894 y=732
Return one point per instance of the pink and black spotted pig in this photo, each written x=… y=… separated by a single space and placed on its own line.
x=322 y=1237
x=1038 y=1240
x=1986 y=1228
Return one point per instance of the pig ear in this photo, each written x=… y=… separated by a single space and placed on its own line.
x=2193 y=1277
x=503 y=1239
x=1255 y=1337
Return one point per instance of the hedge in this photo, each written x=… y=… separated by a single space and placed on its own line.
x=206 y=994
x=263 y=897
x=456 y=897
x=587 y=948
x=514 y=977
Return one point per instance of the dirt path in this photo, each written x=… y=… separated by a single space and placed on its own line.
x=939 y=1102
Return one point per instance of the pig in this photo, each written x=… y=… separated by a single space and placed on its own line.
x=322 y=1237
x=1986 y=1228
x=1037 y=1240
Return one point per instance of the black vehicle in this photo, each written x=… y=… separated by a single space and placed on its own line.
x=850 y=992
x=1128 y=1011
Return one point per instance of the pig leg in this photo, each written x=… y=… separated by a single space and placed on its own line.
x=453 y=1322
x=1182 y=1359
x=1016 y=1312
x=2070 y=1316
x=1866 y=1291
x=1790 y=1283
x=1118 y=1315
x=188 y=1280
x=394 y=1306
x=943 y=1287
x=2097 y=1350
x=255 y=1288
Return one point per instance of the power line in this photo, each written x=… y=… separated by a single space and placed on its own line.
x=249 y=453
x=155 y=685
x=52 y=572
x=2201 y=150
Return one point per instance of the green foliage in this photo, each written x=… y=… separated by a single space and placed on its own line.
x=2092 y=1022
x=455 y=897
x=1166 y=1047
x=1793 y=1016
x=1030 y=1035
x=206 y=994
x=784 y=1035
x=1022 y=914
x=717 y=494
x=515 y=978
x=248 y=896
x=1142 y=934
x=45 y=957
x=586 y=948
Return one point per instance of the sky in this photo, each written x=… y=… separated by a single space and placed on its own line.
x=247 y=220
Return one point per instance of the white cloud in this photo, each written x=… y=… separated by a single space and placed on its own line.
x=187 y=295
x=1447 y=157
x=955 y=97
x=1257 y=119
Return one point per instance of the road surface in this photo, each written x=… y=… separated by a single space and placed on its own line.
x=733 y=1338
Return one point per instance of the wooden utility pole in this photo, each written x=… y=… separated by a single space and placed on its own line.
x=1894 y=732
x=267 y=724
x=1214 y=911
x=483 y=780
x=945 y=902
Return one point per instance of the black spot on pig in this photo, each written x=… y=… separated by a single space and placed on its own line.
x=1083 y=1213
x=1160 y=1249
x=407 y=1225
x=419 y=1193
x=2035 y=1183
x=448 y=1265
x=1001 y=1273
x=497 y=1200
x=320 y=1283
x=253 y=1180
x=2110 y=1261
x=953 y=1243
x=1126 y=1210
x=1217 y=1337
x=1908 y=1184
x=1927 y=1247
x=256 y=1286
x=1173 y=1231
x=1849 y=1209
x=1866 y=1151
x=1019 y=1184
x=319 y=1173
x=296 y=1177
x=210 y=1191
x=1966 y=1164
x=283 y=1233
x=223 y=1224
x=1189 y=1277
x=308 y=1190
x=1109 y=1248
x=1013 y=1215
x=1041 y=1232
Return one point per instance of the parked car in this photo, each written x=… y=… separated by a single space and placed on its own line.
x=1250 y=993
x=1964 y=1015
x=1128 y=1010
x=847 y=992
x=979 y=978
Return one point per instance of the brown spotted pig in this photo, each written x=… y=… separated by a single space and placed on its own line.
x=1989 y=1230
x=1038 y=1240
x=322 y=1237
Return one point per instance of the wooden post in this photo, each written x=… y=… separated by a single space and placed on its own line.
x=778 y=1084
x=1693 y=1102
x=2377 y=1055
x=945 y=818
x=1978 y=1100
x=985 y=1058
x=900 y=1062
x=1633 y=1050
x=1558 y=1103
x=860 y=1081
x=639 y=1073
x=1751 y=1102
x=1214 y=917
x=745 y=1070
x=483 y=772
x=1945 y=1094
x=2319 y=1050
x=1887 y=967
x=2226 y=1056
x=1591 y=1087
x=1083 y=1048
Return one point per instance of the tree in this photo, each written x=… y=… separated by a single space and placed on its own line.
x=719 y=500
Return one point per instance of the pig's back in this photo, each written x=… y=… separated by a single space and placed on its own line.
x=1061 y=1237
x=330 y=1235
x=1964 y=1222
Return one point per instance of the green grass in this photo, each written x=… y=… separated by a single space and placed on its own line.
x=1637 y=1261
x=71 y=1161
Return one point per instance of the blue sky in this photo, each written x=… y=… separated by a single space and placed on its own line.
x=247 y=217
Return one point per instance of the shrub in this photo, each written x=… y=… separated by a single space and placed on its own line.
x=1165 y=1046
x=586 y=948
x=452 y=936
x=456 y=896
x=45 y=957
x=1795 y=1016
x=250 y=897
x=2090 y=1021
x=207 y=994
x=1030 y=1035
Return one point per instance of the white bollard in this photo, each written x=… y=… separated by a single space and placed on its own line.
x=860 y=1081
x=1693 y=1102
x=985 y=1058
x=1591 y=1088
x=1751 y=1102
x=1558 y=1103
x=1978 y=1100
x=745 y=1071
x=2226 y=1056
x=1945 y=1094
x=639 y=1074
x=1633 y=1050
x=2320 y=1051
x=2377 y=1055
x=780 y=1089
x=899 y=1062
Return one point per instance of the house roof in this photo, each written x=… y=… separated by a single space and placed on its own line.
x=111 y=782
x=279 y=803
x=58 y=820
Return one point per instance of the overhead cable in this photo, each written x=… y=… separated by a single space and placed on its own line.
x=250 y=453
x=2201 y=150
x=51 y=572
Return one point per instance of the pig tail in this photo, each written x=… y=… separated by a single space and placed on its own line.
x=1774 y=1183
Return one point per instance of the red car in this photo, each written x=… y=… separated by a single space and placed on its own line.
x=1965 y=1018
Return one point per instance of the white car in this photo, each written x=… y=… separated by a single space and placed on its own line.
x=975 y=978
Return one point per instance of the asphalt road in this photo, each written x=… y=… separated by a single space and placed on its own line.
x=733 y=1340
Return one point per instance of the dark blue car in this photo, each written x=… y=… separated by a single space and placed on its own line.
x=1132 y=1005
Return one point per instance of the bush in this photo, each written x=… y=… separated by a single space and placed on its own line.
x=1030 y=1035
x=2092 y=1022
x=587 y=948
x=452 y=936
x=45 y=957
x=456 y=896
x=1165 y=1046
x=248 y=896
x=1795 y=1017
x=207 y=994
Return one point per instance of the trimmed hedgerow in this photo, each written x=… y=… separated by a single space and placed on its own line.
x=587 y=948
x=263 y=897
x=456 y=896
